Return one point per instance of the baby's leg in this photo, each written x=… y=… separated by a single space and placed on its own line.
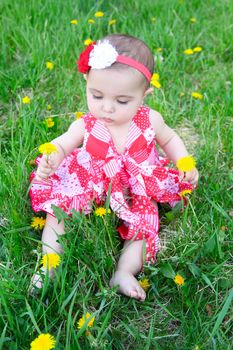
x=129 y=264
x=49 y=239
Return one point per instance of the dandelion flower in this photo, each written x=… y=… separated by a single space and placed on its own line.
x=187 y=163
x=85 y=318
x=111 y=22
x=184 y=192
x=179 y=280
x=51 y=260
x=88 y=42
x=158 y=49
x=197 y=95
x=43 y=342
x=155 y=81
x=145 y=284
x=155 y=76
x=49 y=107
x=197 y=49
x=74 y=22
x=193 y=20
x=49 y=65
x=26 y=100
x=47 y=148
x=156 y=84
x=78 y=115
x=188 y=52
x=91 y=21
x=101 y=211
x=38 y=223
x=99 y=14
x=49 y=122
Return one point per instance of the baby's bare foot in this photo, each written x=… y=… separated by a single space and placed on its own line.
x=38 y=280
x=128 y=285
x=36 y=283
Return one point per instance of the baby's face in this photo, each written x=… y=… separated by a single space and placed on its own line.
x=114 y=96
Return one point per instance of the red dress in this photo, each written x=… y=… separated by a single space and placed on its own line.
x=89 y=172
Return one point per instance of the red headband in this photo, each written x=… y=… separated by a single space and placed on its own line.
x=103 y=55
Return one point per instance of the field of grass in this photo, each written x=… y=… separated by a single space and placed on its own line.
x=196 y=244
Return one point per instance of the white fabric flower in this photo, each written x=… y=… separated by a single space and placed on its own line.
x=102 y=56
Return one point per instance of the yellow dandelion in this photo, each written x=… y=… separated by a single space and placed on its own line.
x=155 y=76
x=156 y=84
x=26 y=100
x=78 y=115
x=153 y=19
x=145 y=284
x=187 y=163
x=85 y=318
x=111 y=22
x=49 y=107
x=158 y=49
x=74 y=22
x=38 y=223
x=179 y=280
x=101 y=211
x=193 y=20
x=155 y=81
x=88 y=42
x=47 y=148
x=49 y=122
x=197 y=95
x=188 y=52
x=91 y=21
x=197 y=49
x=49 y=65
x=184 y=192
x=99 y=14
x=43 y=342
x=50 y=260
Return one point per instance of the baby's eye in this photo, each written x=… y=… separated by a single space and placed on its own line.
x=122 y=102
x=97 y=97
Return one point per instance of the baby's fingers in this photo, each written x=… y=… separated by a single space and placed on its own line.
x=191 y=177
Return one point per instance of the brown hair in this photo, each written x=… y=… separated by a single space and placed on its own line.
x=127 y=45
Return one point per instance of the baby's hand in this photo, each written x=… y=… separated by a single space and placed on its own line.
x=190 y=176
x=48 y=165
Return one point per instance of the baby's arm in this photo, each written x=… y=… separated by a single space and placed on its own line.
x=65 y=143
x=171 y=144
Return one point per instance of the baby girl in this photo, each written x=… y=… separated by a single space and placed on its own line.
x=118 y=154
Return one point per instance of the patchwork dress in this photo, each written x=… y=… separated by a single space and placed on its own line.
x=97 y=169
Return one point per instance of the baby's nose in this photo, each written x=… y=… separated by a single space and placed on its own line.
x=108 y=107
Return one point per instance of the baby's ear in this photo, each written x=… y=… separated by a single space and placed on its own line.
x=148 y=91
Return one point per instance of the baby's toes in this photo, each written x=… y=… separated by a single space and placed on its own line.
x=141 y=293
x=134 y=294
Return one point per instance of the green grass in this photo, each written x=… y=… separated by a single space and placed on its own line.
x=197 y=244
